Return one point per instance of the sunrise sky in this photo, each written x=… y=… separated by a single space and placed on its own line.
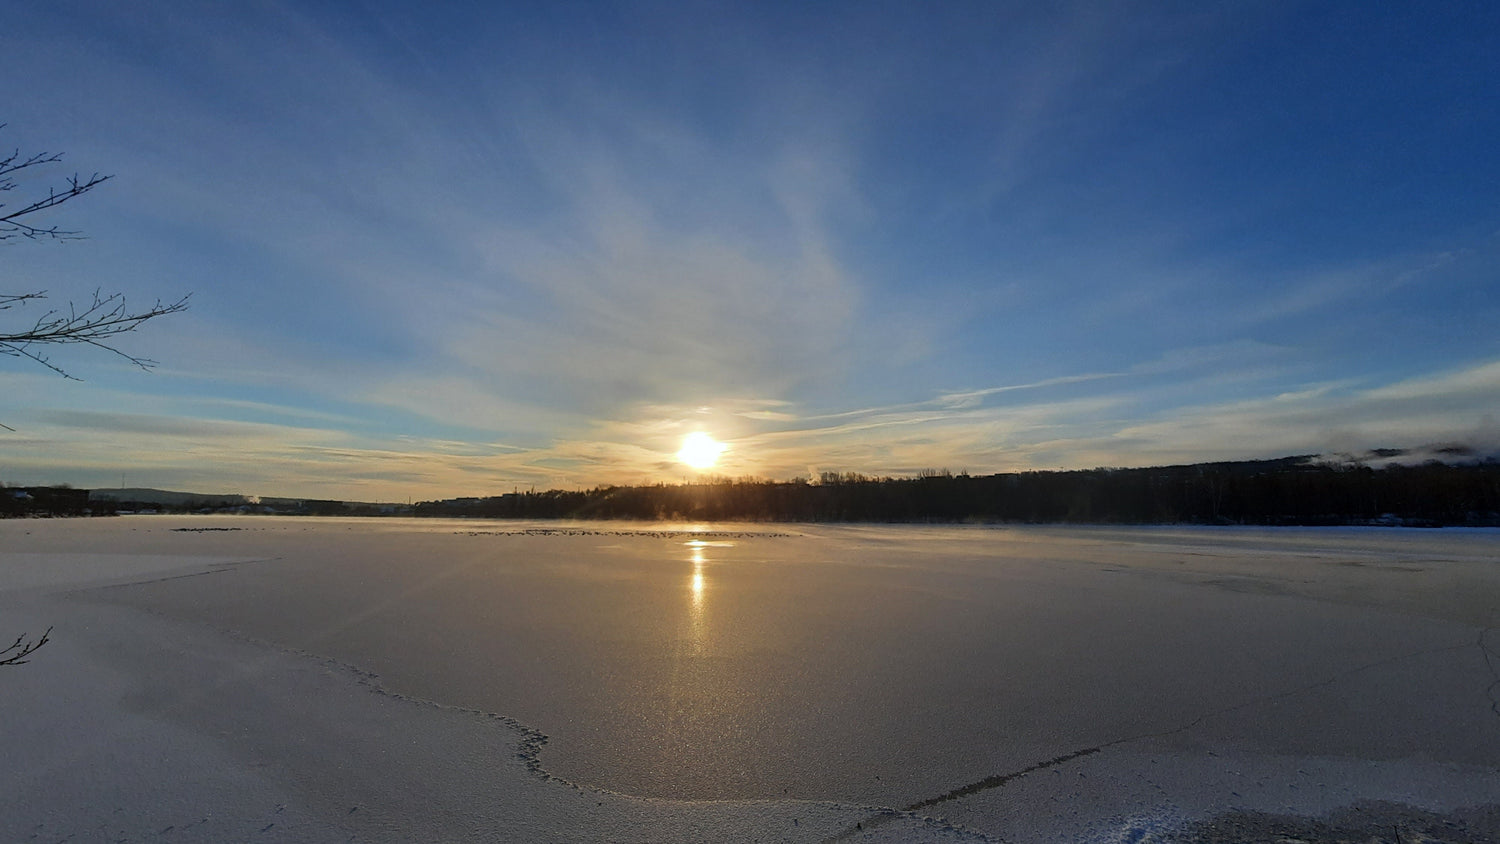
x=451 y=249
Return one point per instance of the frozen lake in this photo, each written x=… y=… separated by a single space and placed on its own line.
x=1147 y=676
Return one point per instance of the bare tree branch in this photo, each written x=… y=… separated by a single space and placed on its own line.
x=11 y=222
x=23 y=649
x=104 y=318
x=95 y=323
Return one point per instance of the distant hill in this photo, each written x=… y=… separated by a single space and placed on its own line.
x=168 y=498
x=181 y=501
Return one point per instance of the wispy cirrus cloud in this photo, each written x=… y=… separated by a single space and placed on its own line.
x=630 y=306
x=973 y=398
x=1454 y=406
x=461 y=249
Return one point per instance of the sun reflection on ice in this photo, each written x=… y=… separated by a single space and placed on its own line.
x=698 y=581
x=698 y=595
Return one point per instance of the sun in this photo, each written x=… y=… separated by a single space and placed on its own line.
x=700 y=451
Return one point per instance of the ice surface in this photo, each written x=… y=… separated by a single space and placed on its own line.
x=1032 y=683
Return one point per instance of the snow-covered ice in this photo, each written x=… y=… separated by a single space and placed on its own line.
x=312 y=680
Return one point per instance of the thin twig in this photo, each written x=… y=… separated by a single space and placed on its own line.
x=23 y=649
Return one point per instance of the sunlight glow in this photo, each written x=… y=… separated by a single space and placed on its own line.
x=700 y=451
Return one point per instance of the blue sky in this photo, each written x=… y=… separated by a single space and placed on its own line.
x=458 y=250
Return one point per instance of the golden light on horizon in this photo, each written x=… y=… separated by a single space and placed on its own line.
x=700 y=451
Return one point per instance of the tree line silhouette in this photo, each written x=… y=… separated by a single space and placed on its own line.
x=1287 y=491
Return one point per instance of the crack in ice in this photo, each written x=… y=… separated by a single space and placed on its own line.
x=1492 y=660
